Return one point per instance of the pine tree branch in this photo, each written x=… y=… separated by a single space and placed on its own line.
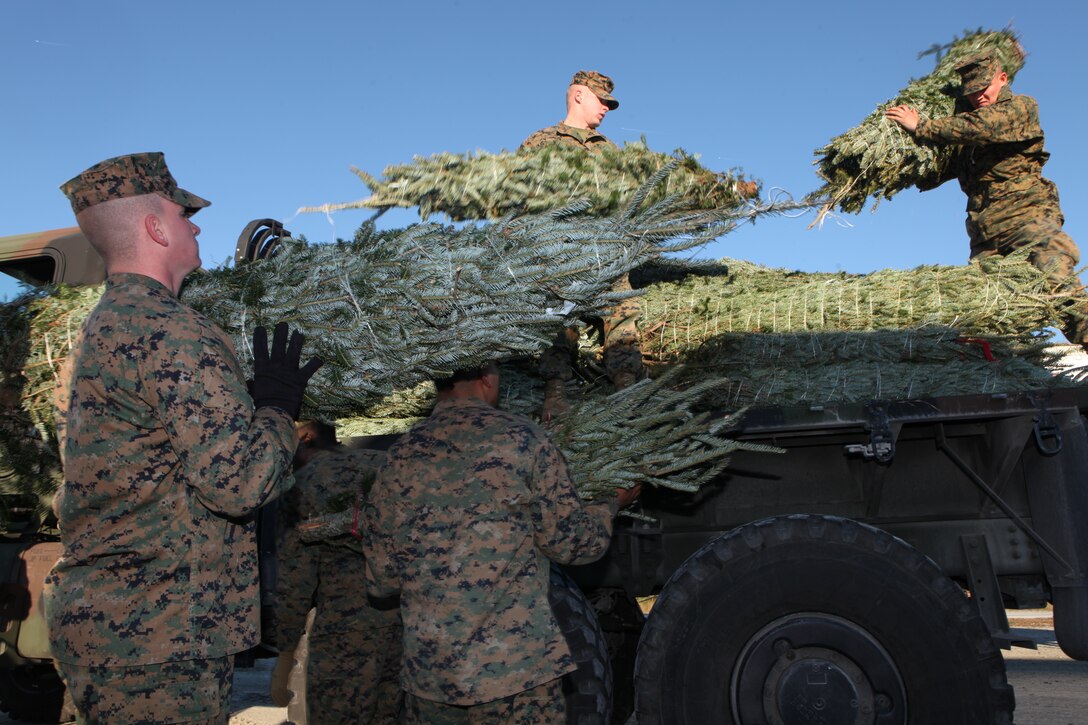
x=878 y=158
x=492 y=186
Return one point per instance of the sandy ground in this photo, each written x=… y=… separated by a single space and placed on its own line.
x=1050 y=688
x=251 y=705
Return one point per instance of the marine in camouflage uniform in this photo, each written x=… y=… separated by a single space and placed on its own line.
x=165 y=460
x=588 y=138
x=354 y=648
x=463 y=521
x=622 y=353
x=998 y=157
x=584 y=114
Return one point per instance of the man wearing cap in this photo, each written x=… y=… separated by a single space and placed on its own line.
x=166 y=457
x=463 y=521
x=354 y=648
x=589 y=98
x=998 y=157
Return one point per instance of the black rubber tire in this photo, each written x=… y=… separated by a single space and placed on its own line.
x=588 y=690
x=740 y=626
x=1071 y=620
x=35 y=693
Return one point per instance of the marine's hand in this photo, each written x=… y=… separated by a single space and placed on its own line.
x=278 y=381
x=627 y=496
x=905 y=116
x=746 y=190
x=281 y=696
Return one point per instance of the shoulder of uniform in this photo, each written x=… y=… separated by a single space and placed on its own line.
x=538 y=137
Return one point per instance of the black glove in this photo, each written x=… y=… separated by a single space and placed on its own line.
x=278 y=382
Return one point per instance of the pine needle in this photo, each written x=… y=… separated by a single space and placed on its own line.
x=492 y=186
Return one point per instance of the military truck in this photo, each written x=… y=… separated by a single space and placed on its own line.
x=860 y=577
x=828 y=584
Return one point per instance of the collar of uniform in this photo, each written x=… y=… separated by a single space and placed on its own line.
x=126 y=278
x=582 y=134
x=462 y=402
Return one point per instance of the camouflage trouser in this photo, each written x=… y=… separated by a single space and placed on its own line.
x=354 y=677
x=189 y=691
x=556 y=366
x=622 y=353
x=1054 y=253
x=541 y=705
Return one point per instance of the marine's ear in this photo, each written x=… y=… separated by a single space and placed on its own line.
x=153 y=227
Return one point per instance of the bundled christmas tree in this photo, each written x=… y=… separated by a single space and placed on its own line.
x=492 y=186
x=877 y=158
x=29 y=461
x=806 y=368
x=393 y=308
x=988 y=296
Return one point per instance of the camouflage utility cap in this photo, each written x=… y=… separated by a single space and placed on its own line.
x=600 y=84
x=977 y=72
x=125 y=176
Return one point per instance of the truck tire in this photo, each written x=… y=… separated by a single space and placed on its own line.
x=803 y=618
x=35 y=693
x=1071 y=620
x=587 y=690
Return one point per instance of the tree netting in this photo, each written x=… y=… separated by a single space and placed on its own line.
x=820 y=368
x=877 y=158
x=492 y=186
x=988 y=296
x=782 y=337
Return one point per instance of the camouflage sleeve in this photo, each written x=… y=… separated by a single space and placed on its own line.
x=379 y=536
x=1014 y=120
x=537 y=139
x=296 y=576
x=567 y=530
x=945 y=169
x=235 y=459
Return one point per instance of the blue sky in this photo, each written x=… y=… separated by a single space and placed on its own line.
x=262 y=106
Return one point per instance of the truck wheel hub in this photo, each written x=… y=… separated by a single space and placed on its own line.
x=811 y=668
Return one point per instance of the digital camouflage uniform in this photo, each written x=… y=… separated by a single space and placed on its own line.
x=354 y=649
x=465 y=516
x=622 y=352
x=587 y=138
x=165 y=461
x=561 y=133
x=998 y=161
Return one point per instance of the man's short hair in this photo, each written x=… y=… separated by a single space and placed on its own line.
x=126 y=176
x=464 y=374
